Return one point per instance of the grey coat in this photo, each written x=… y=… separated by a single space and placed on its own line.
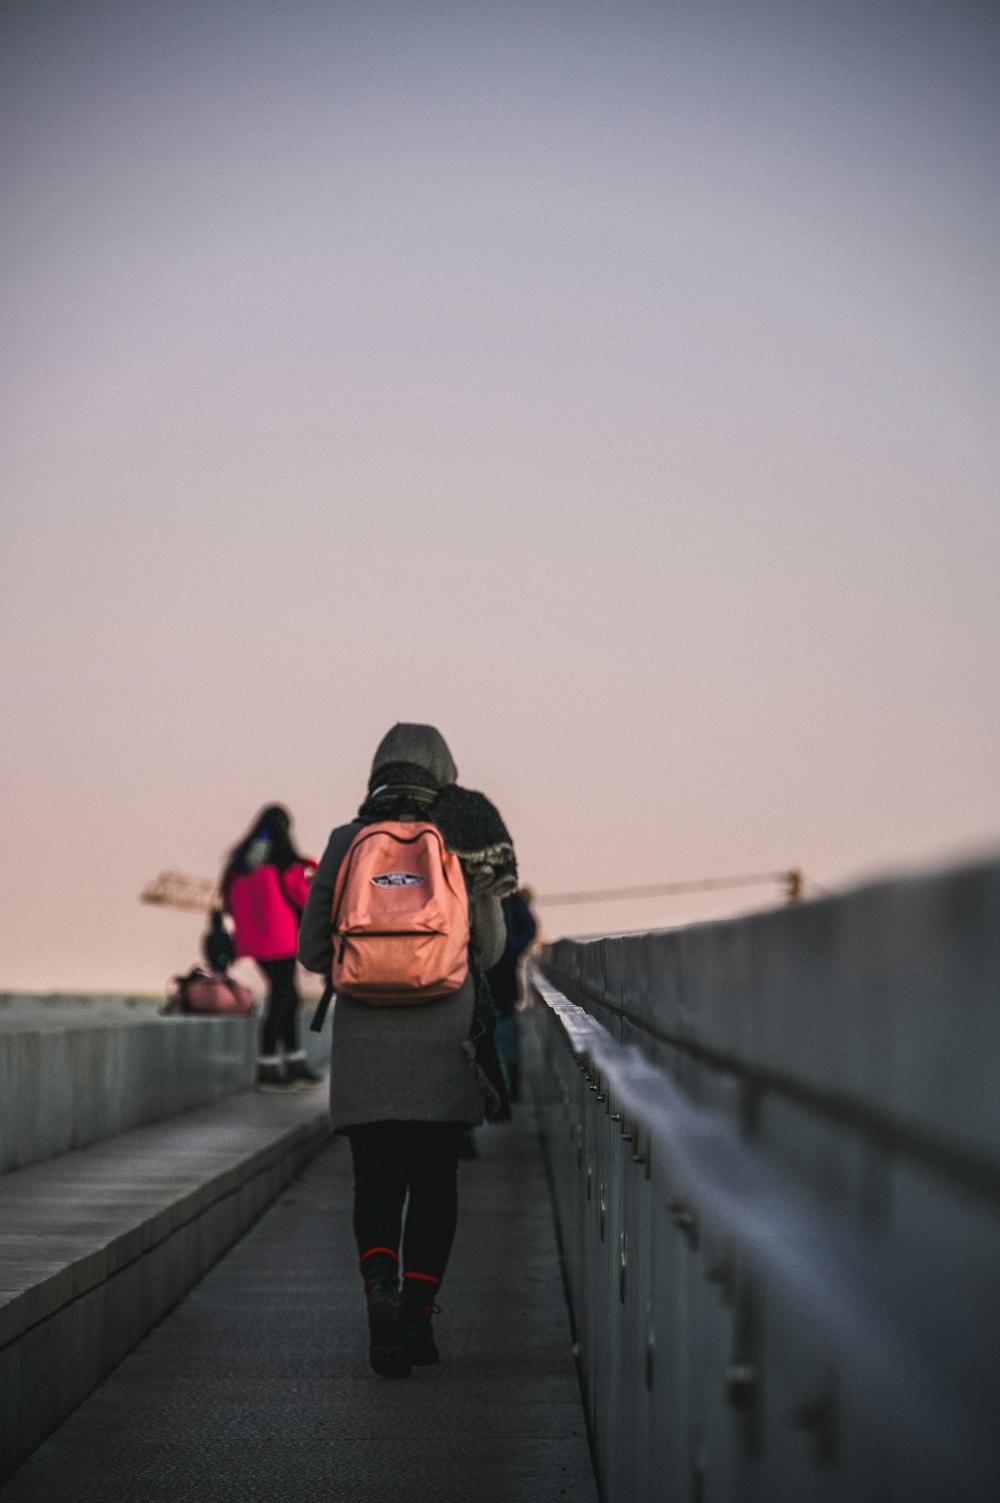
x=400 y=1064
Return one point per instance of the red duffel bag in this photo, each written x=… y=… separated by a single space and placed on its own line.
x=210 y=992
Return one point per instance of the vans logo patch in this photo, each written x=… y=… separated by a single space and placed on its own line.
x=398 y=879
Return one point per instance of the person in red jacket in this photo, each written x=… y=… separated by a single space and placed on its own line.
x=264 y=886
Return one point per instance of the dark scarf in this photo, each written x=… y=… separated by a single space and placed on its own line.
x=471 y=826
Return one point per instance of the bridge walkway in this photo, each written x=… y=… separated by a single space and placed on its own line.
x=257 y=1385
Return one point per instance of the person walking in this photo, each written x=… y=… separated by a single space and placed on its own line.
x=505 y=983
x=410 y=1073
x=264 y=887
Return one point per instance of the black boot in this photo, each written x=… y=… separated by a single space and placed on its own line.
x=300 y=1073
x=388 y=1351
x=416 y=1313
x=271 y=1074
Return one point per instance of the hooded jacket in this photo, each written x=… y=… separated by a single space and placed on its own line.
x=265 y=904
x=400 y=1063
x=423 y=745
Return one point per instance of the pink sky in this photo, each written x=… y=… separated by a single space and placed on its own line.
x=613 y=386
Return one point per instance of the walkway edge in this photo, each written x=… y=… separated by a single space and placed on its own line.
x=66 y=1330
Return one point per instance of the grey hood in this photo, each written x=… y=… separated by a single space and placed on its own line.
x=423 y=745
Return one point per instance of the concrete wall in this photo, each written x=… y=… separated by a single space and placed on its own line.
x=845 y=1054
x=76 y=1068
x=69 y=1076
x=881 y=1007
x=97 y=1246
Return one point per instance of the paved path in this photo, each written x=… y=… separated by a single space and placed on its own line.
x=258 y=1386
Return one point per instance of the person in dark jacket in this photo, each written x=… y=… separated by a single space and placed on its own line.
x=505 y=984
x=264 y=888
x=401 y=1083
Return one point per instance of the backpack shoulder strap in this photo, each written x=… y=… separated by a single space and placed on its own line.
x=322 y=1008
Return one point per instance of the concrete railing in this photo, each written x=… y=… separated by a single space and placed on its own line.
x=775 y=1152
x=174 y=1160
x=98 y=1245
x=77 y=1069
x=71 y=1075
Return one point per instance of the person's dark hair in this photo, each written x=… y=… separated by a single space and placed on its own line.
x=275 y=822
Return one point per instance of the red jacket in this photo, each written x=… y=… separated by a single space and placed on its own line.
x=266 y=906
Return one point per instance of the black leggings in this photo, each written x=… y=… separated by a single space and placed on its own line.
x=281 y=1017
x=392 y=1159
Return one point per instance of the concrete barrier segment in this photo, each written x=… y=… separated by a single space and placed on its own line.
x=99 y=1244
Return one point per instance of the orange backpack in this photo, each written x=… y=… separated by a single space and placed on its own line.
x=400 y=916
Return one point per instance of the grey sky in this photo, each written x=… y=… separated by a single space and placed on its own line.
x=615 y=385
